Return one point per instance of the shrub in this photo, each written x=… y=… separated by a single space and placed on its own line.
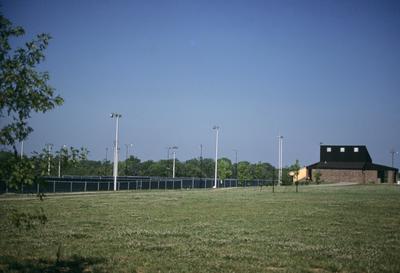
x=317 y=177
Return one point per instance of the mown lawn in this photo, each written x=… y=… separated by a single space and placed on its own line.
x=319 y=229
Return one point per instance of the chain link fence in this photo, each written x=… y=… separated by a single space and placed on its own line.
x=106 y=183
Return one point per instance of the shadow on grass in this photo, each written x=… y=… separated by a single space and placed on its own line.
x=66 y=265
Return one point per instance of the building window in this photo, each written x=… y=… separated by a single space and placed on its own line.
x=329 y=149
x=356 y=149
x=342 y=149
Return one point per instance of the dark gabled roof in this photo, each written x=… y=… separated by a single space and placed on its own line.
x=350 y=166
x=348 y=154
x=347 y=157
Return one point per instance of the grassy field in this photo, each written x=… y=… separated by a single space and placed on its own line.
x=319 y=229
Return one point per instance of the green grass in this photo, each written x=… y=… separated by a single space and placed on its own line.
x=319 y=229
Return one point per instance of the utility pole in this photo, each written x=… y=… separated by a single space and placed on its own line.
x=115 y=170
x=173 y=161
x=201 y=160
x=280 y=148
x=393 y=152
x=216 y=128
x=49 y=147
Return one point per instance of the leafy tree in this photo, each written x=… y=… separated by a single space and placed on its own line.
x=208 y=167
x=18 y=172
x=192 y=168
x=105 y=169
x=23 y=89
x=262 y=171
x=317 y=177
x=224 y=168
x=70 y=158
x=162 y=168
x=44 y=160
x=244 y=170
x=132 y=165
x=145 y=168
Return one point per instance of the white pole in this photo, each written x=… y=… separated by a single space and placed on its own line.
x=115 y=171
x=280 y=177
x=49 y=147
x=173 y=165
x=216 y=157
x=280 y=159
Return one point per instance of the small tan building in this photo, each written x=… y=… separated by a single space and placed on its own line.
x=350 y=164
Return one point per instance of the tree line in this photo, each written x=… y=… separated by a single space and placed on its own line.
x=74 y=162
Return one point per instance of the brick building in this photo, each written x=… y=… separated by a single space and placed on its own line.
x=347 y=163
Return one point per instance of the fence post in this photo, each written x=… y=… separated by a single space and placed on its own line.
x=85 y=185
x=71 y=185
x=129 y=184
x=98 y=186
x=54 y=186
x=181 y=183
x=192 y=182
x=37 y=188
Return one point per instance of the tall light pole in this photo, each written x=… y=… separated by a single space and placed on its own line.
x=59 y=159
x=173 y=159
x=126 y=158
x=49 y=147
x=201 y=160
x=216 y=128
x=393 y=152
x=116 y=116
x=280 y=148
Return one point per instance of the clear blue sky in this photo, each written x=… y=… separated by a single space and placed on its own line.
x=315 y=71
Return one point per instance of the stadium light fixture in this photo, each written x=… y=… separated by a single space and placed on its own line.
x=216 y=128
x=116 y=116
x=393 y=152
